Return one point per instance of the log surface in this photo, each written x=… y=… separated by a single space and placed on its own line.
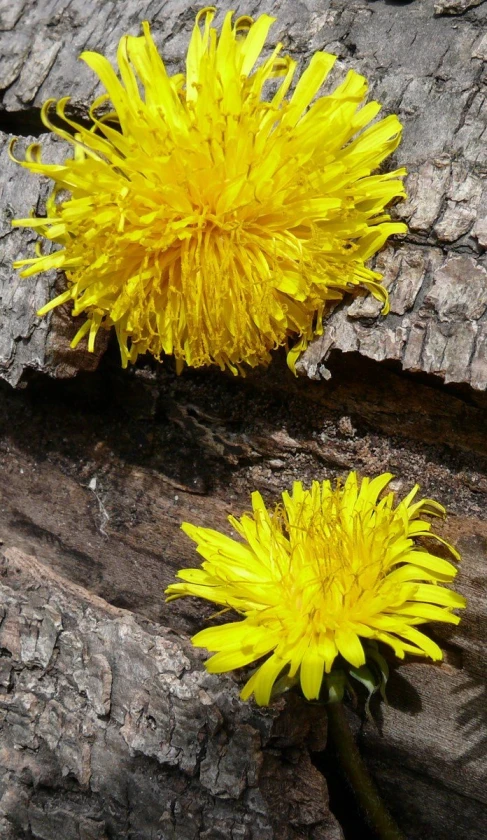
x=97 y=476
x=109 y=725
x=112 y=729
x=425 y=61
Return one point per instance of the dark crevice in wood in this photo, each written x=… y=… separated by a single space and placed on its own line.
x=342 y=799
x=26 y=123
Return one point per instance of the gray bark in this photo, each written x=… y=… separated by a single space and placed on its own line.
x=109 y=725
x=425 y=61
x=111 y=728
x=28 y=342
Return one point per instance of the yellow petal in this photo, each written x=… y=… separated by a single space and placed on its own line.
x=311 y=673
x=265 y=679
x=350 y=647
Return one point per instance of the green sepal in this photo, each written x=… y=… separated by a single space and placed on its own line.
x=379 y=663
x=283 y=684
x=335 y=683
x=365 y=676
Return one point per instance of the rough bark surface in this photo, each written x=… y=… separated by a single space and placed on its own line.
x=425 y=61
x=109 y=726
x=99 y=473
x=430 y=69
x=28 y=342
x=137 y=740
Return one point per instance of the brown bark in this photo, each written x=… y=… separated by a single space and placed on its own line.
x=109 y=725
x=98 y=476
x=111 y=728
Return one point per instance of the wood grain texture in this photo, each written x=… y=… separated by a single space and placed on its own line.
x=111 y=728
x=103 y=732
x=98 y=474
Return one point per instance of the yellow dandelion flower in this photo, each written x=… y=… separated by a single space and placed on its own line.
x=206 y=219
x=328 y=568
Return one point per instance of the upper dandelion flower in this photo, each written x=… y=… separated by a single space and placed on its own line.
x=324 y=570
x=206 y=219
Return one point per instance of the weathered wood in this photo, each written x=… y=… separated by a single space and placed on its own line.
x=28 y=342
x=430 y=70
x=423 y=61
x=431 y=743
x=436 y=324
x=97 y=479
x=111 y=728
x=97 y=474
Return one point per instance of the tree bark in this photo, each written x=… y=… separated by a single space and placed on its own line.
x=425 y=61
x=110 y=726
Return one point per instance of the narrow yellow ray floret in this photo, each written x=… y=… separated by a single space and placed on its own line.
x=209 y=215
x=324 y=570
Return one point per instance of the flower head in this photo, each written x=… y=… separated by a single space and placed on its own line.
x=328 y=568
x=209 y=214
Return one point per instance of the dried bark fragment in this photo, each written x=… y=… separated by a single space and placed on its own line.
x=437 y=323
x=28 y=342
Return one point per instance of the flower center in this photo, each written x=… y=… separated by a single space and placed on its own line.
x=336 y=570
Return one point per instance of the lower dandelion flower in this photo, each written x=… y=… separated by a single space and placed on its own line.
x=325 y=570
x=205 y=218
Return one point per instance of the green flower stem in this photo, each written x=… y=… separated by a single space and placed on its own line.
x=365 y=791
